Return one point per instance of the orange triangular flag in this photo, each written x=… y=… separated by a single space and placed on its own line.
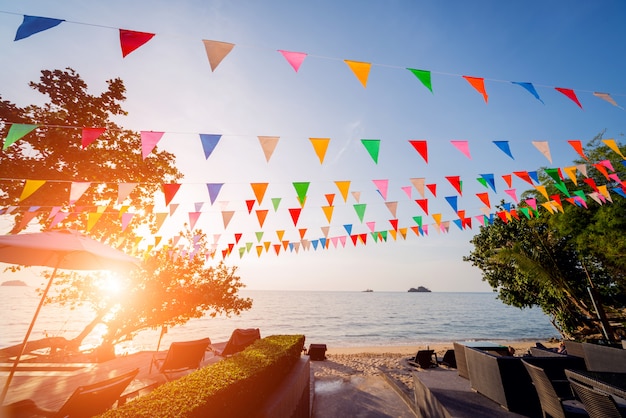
x=268 y=143
x=328 y=211
x=320 y=145
x=508 y=179
x=571 y=173
x=259 y=191
x=30 y=187
x=330 y=198
x=261 y=214
x=479 y=84
x=344 y=187
x=302 y=232
x=216 y=51
x=360 y=69
x=578 y=147
x=484 y=197
x=160 y=218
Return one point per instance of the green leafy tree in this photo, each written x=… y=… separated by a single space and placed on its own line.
x=558 y=261
x=171 y=288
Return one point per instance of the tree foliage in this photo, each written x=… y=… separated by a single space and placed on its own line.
x=171 y=288
x=553 y=260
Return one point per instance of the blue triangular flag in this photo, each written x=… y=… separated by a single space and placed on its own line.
x=533 y=175
x=314 y=242
x=452 y=202
x=214 y=190
x=619 y=191
x=490 y=180
x=507 y=206
x=35 y=24
x=458 y=223
x=209 y=142
x=323 y=242
x=530 y=88
x=504 y=146
x=348 y=228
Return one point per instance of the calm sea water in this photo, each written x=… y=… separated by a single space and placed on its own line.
x=338 y=319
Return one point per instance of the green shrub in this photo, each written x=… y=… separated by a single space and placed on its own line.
x=233 y=387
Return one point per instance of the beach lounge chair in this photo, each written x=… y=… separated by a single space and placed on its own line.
x=240 y=339
x=181 y=356
x=424 y=359
x=85 y=401
x=598 y=404
x=449 y=359
x=553 y=404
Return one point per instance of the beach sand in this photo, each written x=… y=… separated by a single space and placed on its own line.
x=345 y=362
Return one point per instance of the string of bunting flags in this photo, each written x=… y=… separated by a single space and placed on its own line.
x=217 y=51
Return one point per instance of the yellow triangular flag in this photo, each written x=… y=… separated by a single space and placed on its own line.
x=571 y=173
x=403 y=232
x=216 y=51
x=360 y=69
x=328 y=211
x=280 y=234
x=543 y=191
x=344 y=187
x=437 y=218
x=31 y=187
x=92 y=219
x=613 y=145
x=320 y=145
x=393 y=234
x=268 y=143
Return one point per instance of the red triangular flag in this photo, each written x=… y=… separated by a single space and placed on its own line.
x=423 y=204
x=131 y=40
x=421 y=147
x=170 y=191
x=570 y=94
x=90 y=135
x=432 y=188
x=455 y=181
x=295 y=214
x=250 y=204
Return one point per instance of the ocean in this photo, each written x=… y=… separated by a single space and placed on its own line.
x=337 y=319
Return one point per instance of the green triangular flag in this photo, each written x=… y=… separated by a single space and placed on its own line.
x=241 y=251
x=423 y=76
x=360 y=210
x=374 y=236
x=276 y=202
x=384 y=235
x=418 y=220
x=372 y=146
x=17 y=131
x=482 y=181
x=562 y=188
x=580 y=194
x=248 y=246
x=525 y=211
x=301 y=189
x=554 y=173
x=259 y=235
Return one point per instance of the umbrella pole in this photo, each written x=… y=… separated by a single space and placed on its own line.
x=30 y=328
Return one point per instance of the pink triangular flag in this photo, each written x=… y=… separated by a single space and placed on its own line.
x=216 y=51
x=126 y=218
x=77 y=189
x=544 y=148
x=371 y=225
x=149 y=139
x=123 y=190
x=268 y=144
x=418 y=183
x=293 y=58
x=407 y=190
x=382 y=186
x=131 y=40
x=462 y=146
x=393 y=207
x=193 y=218
x=90 y=135
x=512 y=193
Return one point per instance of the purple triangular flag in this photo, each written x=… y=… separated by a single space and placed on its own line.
x=214 y=190
x=209 y=142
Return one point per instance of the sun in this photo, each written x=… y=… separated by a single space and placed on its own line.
x=110 y=283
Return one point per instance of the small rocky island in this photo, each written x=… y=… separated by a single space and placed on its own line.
x=419 y=289
x=13 y=283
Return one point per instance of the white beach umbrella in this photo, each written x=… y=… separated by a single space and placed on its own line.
x=61 y=249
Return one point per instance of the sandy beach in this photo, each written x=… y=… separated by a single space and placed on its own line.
x=345 y=362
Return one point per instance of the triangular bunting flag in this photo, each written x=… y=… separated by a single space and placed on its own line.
x=77 y=189
x=328 y=211
x=301 y=190
x=373 y=147
x=268 y=144
x=360 y=210
x=250 y=205
x=393 y=207
x=344 y=187
x=462 y=146
x=423 y=203
x=276 y=203
x=214 y=190
x=455 y=181
x=294 y=59
x=30 y=187
x=330 y=198
x=360 y=69
x=504 y=146
x=382 y=186
x=295 y=215
x=418 y=183
x=226 y=217
x=423 y=76
x=216 y=51
x=484 y=197
x=578 y=147
x=320 y=145
x=607 y=97
x=35 y=24
x=452 y=201
x=209 y=142
x=170 y=190
x=544 y=148
x=91 y=134
x=16 y=132
x=261 y=214
x=490 y=180
x=131 y=40
x=479 y=84
x=569 y=93
x=149 y=139
x=613 y=145
x=530 y=88
x=433 y=189
x=193 y=218
x=421 y=147
x=259 y=191
x=513 y=194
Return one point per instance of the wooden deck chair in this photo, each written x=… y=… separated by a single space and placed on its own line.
x=240 y=339
x=181 y=356
x=86 y=401
x=424 y=359
x=598 y=404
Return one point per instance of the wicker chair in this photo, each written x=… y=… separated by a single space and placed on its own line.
x=553 y=404
x=598 y=404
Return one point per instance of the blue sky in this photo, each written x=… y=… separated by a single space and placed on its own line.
x=170 y=87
